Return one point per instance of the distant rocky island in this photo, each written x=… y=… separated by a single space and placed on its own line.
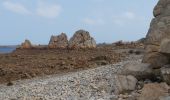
x=81 y=39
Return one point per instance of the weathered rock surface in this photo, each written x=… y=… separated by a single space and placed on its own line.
x=139 y=70
x=153 y=91
x=165 y=46
x=59 y=41
x=26 y=45
x=155 y=59
x=164 y=98
x=165 y=72
x=82 y=39
x=158 y=32
x=125 y=83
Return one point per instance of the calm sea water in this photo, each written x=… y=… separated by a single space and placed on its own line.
x=7 y=49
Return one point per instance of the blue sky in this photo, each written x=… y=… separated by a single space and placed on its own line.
x=106 y=20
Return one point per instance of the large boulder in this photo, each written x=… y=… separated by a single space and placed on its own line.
x=125 y=83
x=139 y=70
x=82 y=39
x=158 y=32
x=26 y=45
x=153 y=91
x=59 y=41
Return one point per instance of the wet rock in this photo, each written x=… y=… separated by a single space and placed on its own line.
x=82 y=39
x=59 y=41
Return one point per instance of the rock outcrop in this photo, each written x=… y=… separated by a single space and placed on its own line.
x=59 y=41
x=26 y=45
x=159 y=32
x=82 y=39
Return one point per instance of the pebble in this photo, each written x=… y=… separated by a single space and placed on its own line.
x=91 y=84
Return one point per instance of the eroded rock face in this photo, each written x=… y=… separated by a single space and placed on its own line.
x=59 y=41
x=165 y=46
x=82 y=39
x=26 y=45
x=159 y=31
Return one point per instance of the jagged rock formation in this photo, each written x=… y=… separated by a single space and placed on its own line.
x=158 y=32
x=59 y=41
x=26 y=45
x=82 y=39
x=158 y=39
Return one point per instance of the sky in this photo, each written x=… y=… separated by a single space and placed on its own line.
x=106 y=20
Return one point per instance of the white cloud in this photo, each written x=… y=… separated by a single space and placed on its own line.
x=90 y=21
x=125 y=17
x=48 y=10
x=16 y=7
x=129 y=15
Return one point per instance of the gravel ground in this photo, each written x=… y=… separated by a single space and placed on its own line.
x=91 y=84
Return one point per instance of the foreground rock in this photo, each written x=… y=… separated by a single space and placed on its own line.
x=165 y=72
x=158 y=42
x=59 y=41
x=26 y=45
x=82 y=39
x=125 y=83
x=140 y=70
x=153 y=91
x=159 y=31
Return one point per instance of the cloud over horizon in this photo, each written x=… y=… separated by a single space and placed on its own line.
x=48 y=10
x=16 y=7
x=41 y=9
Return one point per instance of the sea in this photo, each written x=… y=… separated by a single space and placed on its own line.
x=7 y=49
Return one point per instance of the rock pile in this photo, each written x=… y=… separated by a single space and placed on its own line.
x=82 y=39
x=26 y=45
x=59 y=41
x=153 y=74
